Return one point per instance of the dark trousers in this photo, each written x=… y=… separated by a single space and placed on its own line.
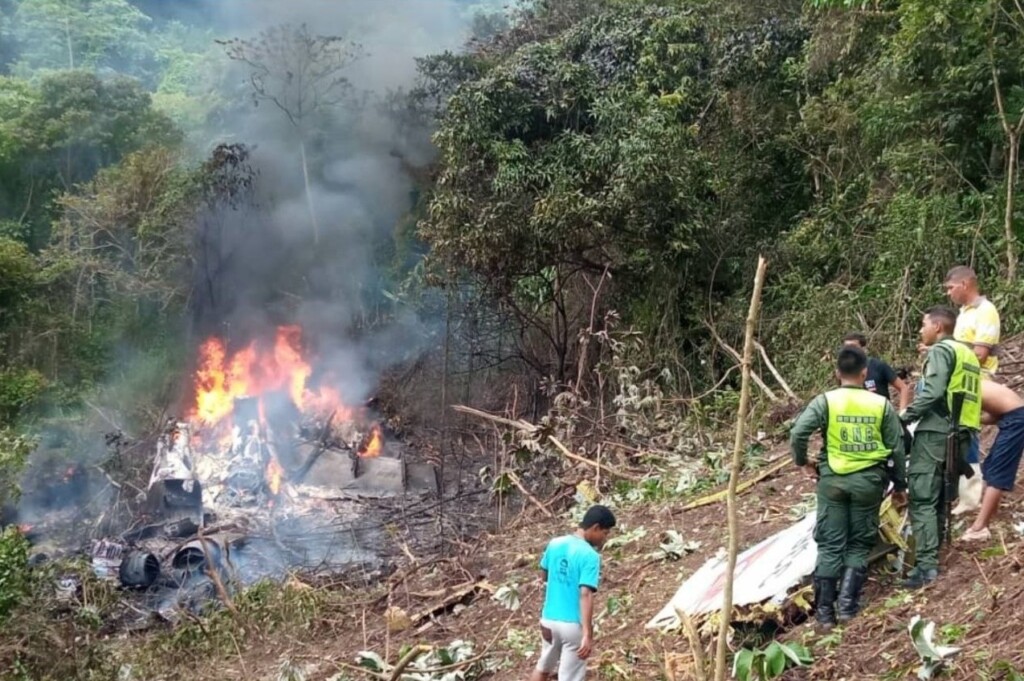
x=847 y=523
x=927 y=463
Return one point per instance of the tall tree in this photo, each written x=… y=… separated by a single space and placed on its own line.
x=8 y=42
x=84 y=34
x=1010 y=111
x=302 y=75
x=60 y=133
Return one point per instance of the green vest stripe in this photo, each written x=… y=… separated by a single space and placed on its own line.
x=966 y=378
x=853 y=438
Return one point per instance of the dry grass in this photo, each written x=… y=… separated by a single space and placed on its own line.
x=318 y=628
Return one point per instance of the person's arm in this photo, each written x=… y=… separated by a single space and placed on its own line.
x=988 y=419
x=893 y=379
x=936 y=378
x=586 y=621
x=903 y=388
x=544 y=565
x=810 y=421
x=892 y=437
x=590 y=577
x=986 y=332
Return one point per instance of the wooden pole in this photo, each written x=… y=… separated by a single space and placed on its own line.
x=734 y=470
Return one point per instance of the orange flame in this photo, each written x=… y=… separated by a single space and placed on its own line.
x=375 y=444
x=253 y=371
x=256 y=371
x=274 y=475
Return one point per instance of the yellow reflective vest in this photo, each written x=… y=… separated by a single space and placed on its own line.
x=853 y=438
x=966 y=378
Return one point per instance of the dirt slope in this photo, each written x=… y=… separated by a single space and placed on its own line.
x=977 y=603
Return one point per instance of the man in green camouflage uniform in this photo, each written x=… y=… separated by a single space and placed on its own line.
x=950 y=367
x=862 y=433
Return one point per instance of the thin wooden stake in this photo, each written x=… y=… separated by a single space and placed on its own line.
x=413 y=653
x=734 y=471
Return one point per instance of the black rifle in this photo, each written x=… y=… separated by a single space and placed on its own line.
x=951 y=473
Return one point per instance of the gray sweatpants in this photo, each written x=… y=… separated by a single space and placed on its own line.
x=559 y=654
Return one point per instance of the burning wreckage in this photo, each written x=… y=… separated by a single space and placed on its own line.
x=265 y=476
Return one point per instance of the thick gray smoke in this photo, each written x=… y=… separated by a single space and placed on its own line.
x=257 y=264
x=261 y=266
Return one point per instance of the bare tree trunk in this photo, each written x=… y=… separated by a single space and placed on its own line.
x=67 y=35
x=309 y=191
x=1011 y=177
x=734 y=470
x=1013 y=135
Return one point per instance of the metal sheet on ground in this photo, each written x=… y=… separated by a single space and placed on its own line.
x=380 y=475
x=764 y=572
x=333 y=470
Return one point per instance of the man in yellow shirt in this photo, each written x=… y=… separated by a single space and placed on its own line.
x=978 y=322
x=977 y=325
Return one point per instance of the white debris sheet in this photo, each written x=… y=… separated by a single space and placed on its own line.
x=764 y=572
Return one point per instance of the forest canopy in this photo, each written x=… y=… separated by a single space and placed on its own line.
x=621 y=156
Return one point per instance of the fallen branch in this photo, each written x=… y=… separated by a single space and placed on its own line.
x=407 y=660
x=599 y=466
x=536 y=502
x=774 y=371
x=532 y=429
x=769 y=393
x=742 y=487
x=453 y=597
x=103 y=415
x=519 y=423
x=734 y=470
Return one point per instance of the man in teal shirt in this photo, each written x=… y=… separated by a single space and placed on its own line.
x=572 y=569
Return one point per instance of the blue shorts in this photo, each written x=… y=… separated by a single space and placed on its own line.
x=973 y=454
x=1000 y=467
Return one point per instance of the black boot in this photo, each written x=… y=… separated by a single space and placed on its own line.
x=918 y=578
x=849 y=592
x=825 y=601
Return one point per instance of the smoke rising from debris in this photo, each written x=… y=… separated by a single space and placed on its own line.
x=264 y=264
x=258 y=266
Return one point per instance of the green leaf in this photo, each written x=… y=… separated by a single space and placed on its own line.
x=741 y=664
x=797 y=653
x=775 y=660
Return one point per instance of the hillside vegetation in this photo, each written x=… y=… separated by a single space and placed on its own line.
x=573 y=208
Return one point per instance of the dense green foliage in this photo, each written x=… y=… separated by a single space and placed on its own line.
x=97 y=203
x=606 y=173
x=627 y=155
x=860 y=148
x=13 y=573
